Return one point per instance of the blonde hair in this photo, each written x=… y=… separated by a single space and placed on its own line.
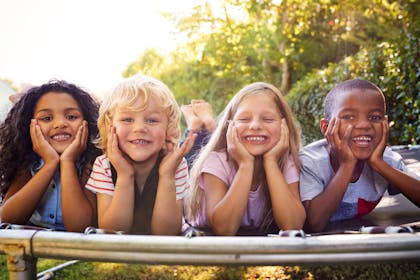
x=217 y=142
x=126 y=93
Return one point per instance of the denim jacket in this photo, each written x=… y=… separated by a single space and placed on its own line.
x=48 y=213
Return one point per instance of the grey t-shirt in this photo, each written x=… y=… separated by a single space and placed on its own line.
x=361 y=196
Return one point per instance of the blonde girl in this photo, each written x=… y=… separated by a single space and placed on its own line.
x=141 y=179
x=247 y=176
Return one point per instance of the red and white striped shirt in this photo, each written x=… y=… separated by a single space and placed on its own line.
x=100 y=180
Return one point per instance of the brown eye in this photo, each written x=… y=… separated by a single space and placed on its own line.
x=45 y=119
x=376 y=118
x=348 y=117
x=72 y=117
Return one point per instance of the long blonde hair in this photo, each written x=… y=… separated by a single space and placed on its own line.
x=127 y=92
x=217 y=142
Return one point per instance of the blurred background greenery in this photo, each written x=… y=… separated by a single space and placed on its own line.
x=304 y=47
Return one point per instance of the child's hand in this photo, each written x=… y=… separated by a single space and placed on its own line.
x=236 y=150
x=340 y=147
x=282 y=145
x=78 y=146
x=40 y=145
x=116 y=156
x=174 y=155
x=378 y=152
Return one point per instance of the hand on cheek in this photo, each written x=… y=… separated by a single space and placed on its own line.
x=115 y=155
x=378 y=152
x=235 y=148
x=174 y=154
x=78 y=146
x=40 y=145
x=340 y=147
x=282 y=144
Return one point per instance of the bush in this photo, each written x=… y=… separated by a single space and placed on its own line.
x=394 y=67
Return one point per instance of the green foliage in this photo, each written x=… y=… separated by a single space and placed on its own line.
x=149 y=63
x=231 y=43
x=305 y=47
x=394 y=67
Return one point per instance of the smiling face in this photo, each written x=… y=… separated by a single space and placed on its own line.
x=141 y=134
x=258 y=122
x=59 y=117
x=365 y=111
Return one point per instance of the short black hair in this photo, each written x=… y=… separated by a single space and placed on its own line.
x=346 y=86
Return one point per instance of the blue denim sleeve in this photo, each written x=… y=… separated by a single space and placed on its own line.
x=202 y=139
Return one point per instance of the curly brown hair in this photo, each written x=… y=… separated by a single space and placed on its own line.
x=16 y=153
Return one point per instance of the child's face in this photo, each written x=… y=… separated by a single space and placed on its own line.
x=258 y=122
x=365 y=111
x=141 y=135
x=59 y=117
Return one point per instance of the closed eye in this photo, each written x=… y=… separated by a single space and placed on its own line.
x=243 y=120
x=268 y=119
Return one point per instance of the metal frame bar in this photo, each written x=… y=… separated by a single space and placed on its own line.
x=210 y=250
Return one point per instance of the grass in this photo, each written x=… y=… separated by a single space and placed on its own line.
x=105 y=271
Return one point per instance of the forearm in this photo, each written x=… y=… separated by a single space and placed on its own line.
x=321 y=208
x=226 y=217
x=18 y=207
x=408 y=185
x=288 y=210
x=119 y=214
x=167 y=211
x=76 y=207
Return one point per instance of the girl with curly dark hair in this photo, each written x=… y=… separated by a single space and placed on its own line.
x=46 y=154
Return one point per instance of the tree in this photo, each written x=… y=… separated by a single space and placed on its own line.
x=234 y=43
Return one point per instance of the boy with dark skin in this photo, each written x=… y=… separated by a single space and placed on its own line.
x=345 y=175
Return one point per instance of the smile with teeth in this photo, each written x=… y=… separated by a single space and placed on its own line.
x=140 y=142
x=61 y=137
x=256 y=139
x=362 y=140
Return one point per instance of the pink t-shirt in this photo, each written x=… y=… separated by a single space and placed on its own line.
x=218 y=165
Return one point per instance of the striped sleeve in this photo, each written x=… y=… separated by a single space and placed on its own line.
x=181 y=180
x=100 y=180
